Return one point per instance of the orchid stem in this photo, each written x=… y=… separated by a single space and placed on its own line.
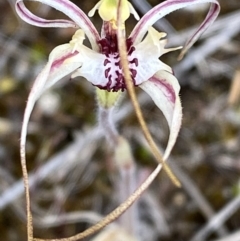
x=126 y=186
x=114 y=214
x=27 y=195
x=105 y=121
x=129 y=83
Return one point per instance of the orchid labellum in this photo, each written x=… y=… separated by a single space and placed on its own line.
x=102 y=66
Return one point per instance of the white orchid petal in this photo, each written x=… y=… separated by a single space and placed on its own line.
x=148 y=53
x=92 y=68
x=167 y=7
x=171 y=49
x=166 y=67
x=52 y=72
x=154 y=36
x=148 y=65
x=80 y=19
x=164 y=88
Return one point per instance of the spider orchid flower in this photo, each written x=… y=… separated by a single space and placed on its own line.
x=100 y=65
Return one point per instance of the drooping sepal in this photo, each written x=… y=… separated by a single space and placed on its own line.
x=55 y=69
x=164 y=88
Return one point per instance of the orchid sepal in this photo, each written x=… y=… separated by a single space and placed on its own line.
x=55 y=69
x=164 y=89
x=166 y=7
x=79 y=18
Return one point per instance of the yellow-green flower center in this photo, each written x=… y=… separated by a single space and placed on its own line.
x=108 y=10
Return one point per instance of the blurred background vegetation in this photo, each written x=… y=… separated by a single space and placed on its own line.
x=73 y=178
